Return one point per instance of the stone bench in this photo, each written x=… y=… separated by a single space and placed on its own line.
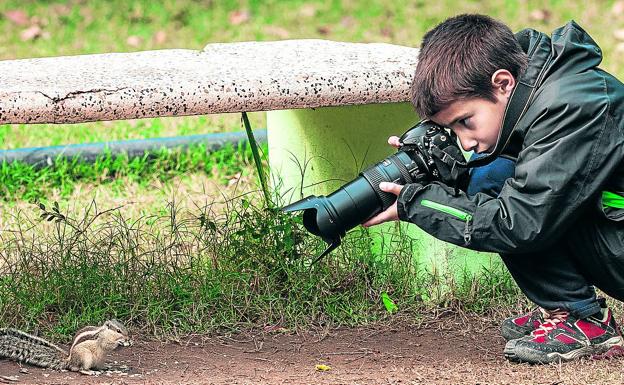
x=231 y=77
x=330 y=105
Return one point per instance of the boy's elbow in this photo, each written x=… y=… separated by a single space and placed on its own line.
x=526 y=239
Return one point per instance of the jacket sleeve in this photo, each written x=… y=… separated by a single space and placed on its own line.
x=569 y=152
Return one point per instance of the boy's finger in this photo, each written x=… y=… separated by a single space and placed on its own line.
x=394 y=141
x=391 y=187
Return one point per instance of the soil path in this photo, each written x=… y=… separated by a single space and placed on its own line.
x=450 y=350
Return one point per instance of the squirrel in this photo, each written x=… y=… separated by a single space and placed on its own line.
x=88 y=350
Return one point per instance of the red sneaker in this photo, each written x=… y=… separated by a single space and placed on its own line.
x=520 y=326
x=563 y=337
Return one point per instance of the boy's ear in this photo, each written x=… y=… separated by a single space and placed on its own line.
x=503 y=83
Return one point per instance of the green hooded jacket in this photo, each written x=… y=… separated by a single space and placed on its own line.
x=564 y=124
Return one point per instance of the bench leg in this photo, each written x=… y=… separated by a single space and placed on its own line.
x=334 y=144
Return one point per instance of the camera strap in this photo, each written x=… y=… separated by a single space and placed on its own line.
x=455 y=165
x=518 y=103
x=521 y=96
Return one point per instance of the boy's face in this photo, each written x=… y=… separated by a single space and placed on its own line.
x=475 y=121
x=478 y=121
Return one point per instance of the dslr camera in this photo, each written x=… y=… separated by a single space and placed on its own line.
x=427 y=153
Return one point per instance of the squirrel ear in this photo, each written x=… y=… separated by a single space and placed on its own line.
x=115 y=325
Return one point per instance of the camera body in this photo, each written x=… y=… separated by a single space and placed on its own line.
x=428 y=153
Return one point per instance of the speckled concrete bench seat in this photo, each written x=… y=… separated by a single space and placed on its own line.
x=228 y=77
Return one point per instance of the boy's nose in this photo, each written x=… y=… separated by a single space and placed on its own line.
x=468 y=144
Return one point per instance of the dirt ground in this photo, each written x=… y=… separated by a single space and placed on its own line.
x=439 y=351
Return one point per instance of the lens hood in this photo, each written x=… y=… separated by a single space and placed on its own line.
x=320 y=219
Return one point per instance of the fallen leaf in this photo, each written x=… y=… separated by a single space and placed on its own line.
x=134 y=41
x=239 y=17
x=387 y=31
x=307 y=10
x=391 y=307
x=614 y=352
x=275 y=329
x=324 y=29
x=618 y=8
x=39 y=21
x=31 y=33
x=322 y=368
x=347 y=21
x=17 y=17
x=60 y=9
x=235 y=178
x=87 y=15
x=542 y=15
x=160 y=37
x=280 y=32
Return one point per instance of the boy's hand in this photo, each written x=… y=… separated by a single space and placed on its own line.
x=391 y=213
x=394 y=141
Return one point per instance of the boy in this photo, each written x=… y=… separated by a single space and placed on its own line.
x=557 y=218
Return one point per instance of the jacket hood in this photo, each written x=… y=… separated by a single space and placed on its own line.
x=568 y=50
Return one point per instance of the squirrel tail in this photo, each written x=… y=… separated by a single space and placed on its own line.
x=26 y=348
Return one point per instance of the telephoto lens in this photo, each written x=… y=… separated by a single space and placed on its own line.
x=417 y=160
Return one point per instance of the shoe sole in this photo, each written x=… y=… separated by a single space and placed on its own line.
x=510 y=351
x=535 y=357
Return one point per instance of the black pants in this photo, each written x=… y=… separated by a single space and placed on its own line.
x=590 y=254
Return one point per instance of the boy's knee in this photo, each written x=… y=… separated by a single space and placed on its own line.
x=489 y=179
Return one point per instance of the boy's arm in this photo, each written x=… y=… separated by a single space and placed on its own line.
x=571 y=151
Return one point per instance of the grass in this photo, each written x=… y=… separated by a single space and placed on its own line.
x=169 y=265
x=150 y=242
x=205 y=270
x=20 y=181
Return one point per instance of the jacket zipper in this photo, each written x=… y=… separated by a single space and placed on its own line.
x=457 y=213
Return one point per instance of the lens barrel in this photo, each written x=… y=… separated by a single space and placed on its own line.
x=356 y=201
x=330 y=217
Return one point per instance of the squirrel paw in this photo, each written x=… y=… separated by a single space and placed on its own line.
x=90 y=372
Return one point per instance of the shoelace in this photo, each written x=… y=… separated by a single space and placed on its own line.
x=551 y=319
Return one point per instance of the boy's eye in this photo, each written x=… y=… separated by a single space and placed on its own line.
x=465 y=122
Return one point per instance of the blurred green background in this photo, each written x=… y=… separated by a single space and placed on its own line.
x=48 y=28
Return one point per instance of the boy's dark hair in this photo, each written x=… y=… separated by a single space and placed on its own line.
x=457 y=59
